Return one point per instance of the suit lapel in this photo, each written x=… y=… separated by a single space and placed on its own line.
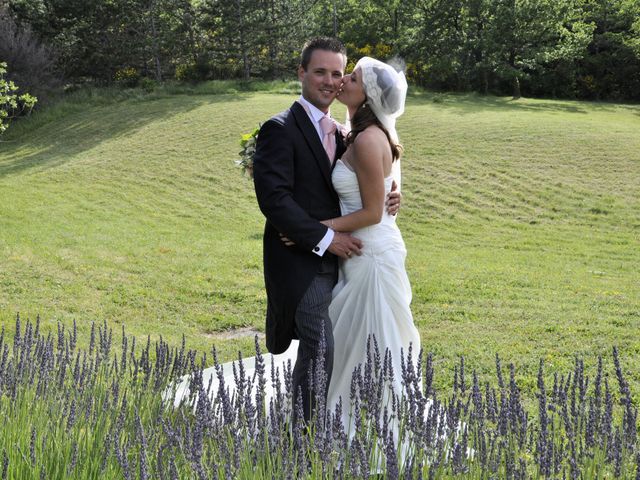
x=311 y=136
x=340 y=148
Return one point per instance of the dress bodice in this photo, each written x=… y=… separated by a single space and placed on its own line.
x=346 y=185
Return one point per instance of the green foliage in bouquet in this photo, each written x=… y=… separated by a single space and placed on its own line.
x=248 y=144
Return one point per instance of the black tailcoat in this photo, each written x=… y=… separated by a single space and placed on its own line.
x=292 y=177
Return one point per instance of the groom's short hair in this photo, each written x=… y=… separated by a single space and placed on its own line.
x=330 y=44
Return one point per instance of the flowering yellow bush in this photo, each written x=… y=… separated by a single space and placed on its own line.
x=127 y=77
x=380 y=51
x=11 y=104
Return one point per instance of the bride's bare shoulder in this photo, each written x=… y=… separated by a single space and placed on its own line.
x=371 y=134
x=369 y=147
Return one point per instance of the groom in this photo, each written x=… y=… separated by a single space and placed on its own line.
x=295 y=153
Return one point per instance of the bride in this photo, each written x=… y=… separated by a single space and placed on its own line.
x=372 y=297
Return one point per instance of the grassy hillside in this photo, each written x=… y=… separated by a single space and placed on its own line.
x=522 y=221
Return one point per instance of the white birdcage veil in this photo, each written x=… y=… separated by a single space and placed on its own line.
x=386 y=90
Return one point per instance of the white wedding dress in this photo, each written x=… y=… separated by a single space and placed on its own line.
x=371 y=298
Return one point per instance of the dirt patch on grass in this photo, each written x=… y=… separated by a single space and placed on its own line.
x=241 y=332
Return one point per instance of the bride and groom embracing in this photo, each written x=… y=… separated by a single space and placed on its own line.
x=326 y=286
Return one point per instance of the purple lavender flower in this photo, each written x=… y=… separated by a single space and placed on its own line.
x=392 y=460
x=17 y=339
x=160 y=471
x=71 y=419
x=573 y=461
x=630 y=412
x=463 y=383
x=5 y=465
x=509 y=461
x=73 y=336
x=542 y=449
x=223 y=394
x=142 y=442
x=590 y=429
x=617 y=448
x=499 y=372
x=123 y=359
x=121 y=456
x=503 y=415
x=92 y=338
x=32 y=447
x=458 y=454
x=106 y=451
x=74 y=459
x=428 y=376
x=173 y=469
x=607 y=419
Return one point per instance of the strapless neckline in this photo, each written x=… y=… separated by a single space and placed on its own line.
x=350 y=170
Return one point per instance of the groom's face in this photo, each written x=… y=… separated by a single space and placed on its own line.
x=322 y=78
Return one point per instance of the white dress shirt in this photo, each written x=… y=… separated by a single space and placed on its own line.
x=315 y=115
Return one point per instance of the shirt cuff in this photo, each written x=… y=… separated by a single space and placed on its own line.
x=322 y=246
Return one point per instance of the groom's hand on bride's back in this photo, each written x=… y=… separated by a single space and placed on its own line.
x=394 y=198
x=344 y=245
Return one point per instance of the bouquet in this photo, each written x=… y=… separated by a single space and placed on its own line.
x=248 y=145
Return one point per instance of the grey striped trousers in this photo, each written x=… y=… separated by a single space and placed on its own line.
x=312 y=321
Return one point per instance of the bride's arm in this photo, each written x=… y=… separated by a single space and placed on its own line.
x=367 y=161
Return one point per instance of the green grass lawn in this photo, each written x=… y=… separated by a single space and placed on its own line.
x=521 y=218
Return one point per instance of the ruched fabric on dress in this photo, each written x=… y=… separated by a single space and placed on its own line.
x=372 y=297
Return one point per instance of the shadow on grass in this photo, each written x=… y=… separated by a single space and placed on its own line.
x=84 y=129
x=473 y=103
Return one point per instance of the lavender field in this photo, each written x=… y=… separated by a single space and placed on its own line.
x=107 y=411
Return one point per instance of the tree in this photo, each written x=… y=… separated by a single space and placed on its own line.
x=31 y=63
x=612 y=68
x=559 y=67
x=525 y=35
x=287 y=25
x=448 y=46
x=585 y=48
x=172 y=35
x=233 y=31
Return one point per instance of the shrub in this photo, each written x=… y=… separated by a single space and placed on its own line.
x=11 y=103
x=148 y=84
x=208 y=69
x=195 y=71
x=127 y=77
x=380 y=51
x=186 y=72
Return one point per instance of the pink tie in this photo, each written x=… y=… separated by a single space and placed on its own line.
x=328 y=128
